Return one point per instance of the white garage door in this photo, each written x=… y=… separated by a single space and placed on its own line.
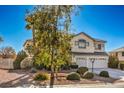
x=81 y=62
x=98 y=64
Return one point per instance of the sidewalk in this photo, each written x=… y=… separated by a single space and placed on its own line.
x=107 y=85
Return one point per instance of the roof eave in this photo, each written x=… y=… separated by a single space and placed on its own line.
x=91 y=37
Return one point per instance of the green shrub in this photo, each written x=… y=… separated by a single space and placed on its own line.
x=65 y=67
x=73 y=76
x=88 y=75
x=47 y=68
x=41 y=77
x=82 y=70
x=104 y=74
x=121 y=66
x=74 y=66
x=38 y=66
x=20 y=56
x=113 y=62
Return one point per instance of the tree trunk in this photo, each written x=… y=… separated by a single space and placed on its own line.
x=52 y=80
x=33 y=32
x=56 y=73
x=52 y=69
x=34 y=52
x=52 y=77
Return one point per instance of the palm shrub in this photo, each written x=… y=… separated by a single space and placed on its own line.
x=104 y=74
x=113 y=62
x=82 y=70
x=41 y=76
x=88 y=75
x=20 y=56
x=73 y=76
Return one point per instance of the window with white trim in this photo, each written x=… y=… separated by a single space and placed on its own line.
x=82 y=43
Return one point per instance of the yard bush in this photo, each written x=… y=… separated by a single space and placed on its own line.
x=73 y=76
x=104 y=74
x=65 y=67
x=88 y=75
x=41 y=76
x=20 y=56
x=38 y=66
x=121 y=66
x=74 y=66
x=82 y=70
x=47 y=68
x=113 y=62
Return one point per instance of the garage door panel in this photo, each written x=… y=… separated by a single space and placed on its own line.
x=98 y=64
x=82 y=62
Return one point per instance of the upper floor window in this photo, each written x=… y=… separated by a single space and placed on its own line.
x=122 y=53
x=82 y=43
x=98 y=46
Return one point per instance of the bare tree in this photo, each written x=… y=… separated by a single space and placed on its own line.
x=7 y=52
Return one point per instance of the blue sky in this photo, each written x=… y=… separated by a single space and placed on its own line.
x=103 y=22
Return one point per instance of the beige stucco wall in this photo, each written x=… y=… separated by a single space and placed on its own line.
x=112 y=54
x=28 y=43
x=118 y=54
x=120 y=57
x=89 y=48
x=6 y=63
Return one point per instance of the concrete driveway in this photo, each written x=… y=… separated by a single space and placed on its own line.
x=114 y=73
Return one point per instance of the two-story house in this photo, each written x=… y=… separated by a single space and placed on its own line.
x=84 y=48
x=119 y=53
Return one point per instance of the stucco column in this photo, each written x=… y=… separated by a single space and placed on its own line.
x=87 y=61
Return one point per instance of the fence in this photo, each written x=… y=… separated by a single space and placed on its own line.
x=6 y=63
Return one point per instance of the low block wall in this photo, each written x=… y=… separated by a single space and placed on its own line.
x=6 y=63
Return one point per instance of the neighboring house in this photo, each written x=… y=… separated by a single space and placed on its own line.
x=119 y=53
x=7 y=62
x=26 y=44
x=84 y=48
